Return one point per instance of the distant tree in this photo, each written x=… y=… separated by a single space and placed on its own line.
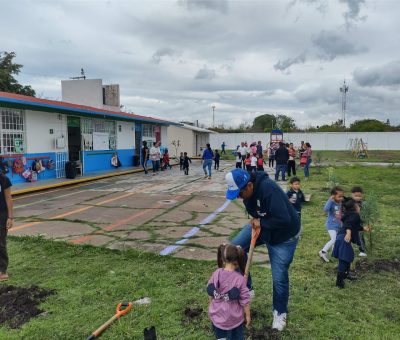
x=7 y=71
x=370 y=125
x=264 y=123
x=285 y=123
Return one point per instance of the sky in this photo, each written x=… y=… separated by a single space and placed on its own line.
x=176 y=59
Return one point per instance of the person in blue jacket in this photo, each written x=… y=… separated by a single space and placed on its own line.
x=207 y=158
x=271 y=211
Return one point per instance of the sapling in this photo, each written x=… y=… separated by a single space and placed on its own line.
x=332 y=179
x=318 y=161
x=370 y=213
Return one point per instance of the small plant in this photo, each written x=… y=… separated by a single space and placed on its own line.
x=332 y=179
x=370 y=213
x=318 y=162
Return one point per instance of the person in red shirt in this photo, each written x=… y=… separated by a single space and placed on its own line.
x=166 y=160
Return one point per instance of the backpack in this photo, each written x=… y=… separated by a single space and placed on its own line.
x=18 y=167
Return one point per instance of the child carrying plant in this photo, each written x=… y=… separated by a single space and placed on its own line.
x=357 y=195
x=343 y=250
x=295 y=195
x=229 y=296
x=333 y=209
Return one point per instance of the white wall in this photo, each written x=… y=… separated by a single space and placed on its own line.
x=125 y=138
x=164 y=135
x=186 y=140
x=318 y=140
x=84 y=92
x=38 y=137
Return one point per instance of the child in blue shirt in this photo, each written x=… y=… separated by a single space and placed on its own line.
x=333 y=209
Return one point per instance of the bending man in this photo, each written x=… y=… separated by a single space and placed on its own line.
x=271 y=210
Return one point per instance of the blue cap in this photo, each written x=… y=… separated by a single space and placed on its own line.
x=236 y=180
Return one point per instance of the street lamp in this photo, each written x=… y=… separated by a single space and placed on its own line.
x=213 y=107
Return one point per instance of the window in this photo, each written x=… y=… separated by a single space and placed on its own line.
x=88 y=126
x=12 y=131
x=148 y=131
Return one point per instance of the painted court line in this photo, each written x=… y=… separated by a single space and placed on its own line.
x=168 y=250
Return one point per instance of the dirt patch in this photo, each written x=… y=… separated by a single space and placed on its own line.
x=192 y=313
x=378 y=266
x=18 y=305
x=266 y=333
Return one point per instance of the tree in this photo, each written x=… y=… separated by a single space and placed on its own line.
x=264 y=123
x=370 y=125
x=285 y=123
x=7 y=71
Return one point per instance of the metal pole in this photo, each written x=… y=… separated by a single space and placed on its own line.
x=344 y=89
x=213 y=107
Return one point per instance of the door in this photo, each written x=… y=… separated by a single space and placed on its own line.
x=74 y=138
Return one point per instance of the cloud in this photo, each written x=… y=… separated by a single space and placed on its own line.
x=205 y=73
x=283 y=65
x=163 y=52
x=332 y=45
x=353 y=12
x=214 y=5
x=384 y=75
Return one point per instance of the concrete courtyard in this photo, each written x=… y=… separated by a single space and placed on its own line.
x=168 y=214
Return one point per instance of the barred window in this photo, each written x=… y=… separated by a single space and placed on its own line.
x=148 y=131
x=100 y=125
x=12 y=131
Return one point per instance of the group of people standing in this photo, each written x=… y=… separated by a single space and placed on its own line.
x=159 y=157
x=285 y=157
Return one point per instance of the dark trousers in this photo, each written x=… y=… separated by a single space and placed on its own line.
x=144 y=165
x=186 y=170
x=280 y=168
x=243 y=163
x=216 y=165
x=291 y=168
x=271 y=162
x=233 y=334
x=3 y=244
x=238 y=165
x=223 y=152
x=343 y=266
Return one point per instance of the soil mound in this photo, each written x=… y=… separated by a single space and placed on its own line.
x=18 y=305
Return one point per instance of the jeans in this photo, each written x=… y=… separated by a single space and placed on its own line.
x=156 y=165
x=280 y=168
x=3 y=244
x=207 y=163
x=216 y=165
x=280 y=257
x=271 y=161
x=144 y=165
x=233 y=334
x=306 y=168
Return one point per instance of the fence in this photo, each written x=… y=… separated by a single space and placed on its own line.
x=318 y=140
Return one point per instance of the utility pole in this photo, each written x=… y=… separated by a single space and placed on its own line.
x=344 y=89
x=213 y=107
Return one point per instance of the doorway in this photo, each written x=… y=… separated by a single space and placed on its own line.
x=74 y=138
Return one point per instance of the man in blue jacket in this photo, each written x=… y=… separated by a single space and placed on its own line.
x=271 y=211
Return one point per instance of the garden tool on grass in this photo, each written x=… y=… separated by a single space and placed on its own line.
x=254 y=236
x=122 y=309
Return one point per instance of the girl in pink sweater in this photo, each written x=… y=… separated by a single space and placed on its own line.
x=229 y=296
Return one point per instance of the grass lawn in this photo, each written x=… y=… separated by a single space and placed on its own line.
x=91 y=281
x=376 y=156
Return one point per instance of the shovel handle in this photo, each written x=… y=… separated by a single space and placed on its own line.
x=254 y=236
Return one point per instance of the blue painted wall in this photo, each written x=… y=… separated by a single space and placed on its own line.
x=100 y=160
x=47 y=174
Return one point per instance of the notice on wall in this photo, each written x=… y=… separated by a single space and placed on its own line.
x=101 y=141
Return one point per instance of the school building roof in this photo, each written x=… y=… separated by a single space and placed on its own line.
x=31 y=103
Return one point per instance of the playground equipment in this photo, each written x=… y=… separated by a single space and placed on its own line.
x=276 y=136
x=358 y=148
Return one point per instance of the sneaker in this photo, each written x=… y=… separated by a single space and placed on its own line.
x=252 y=293
x=205 y=176
x=279 y=322
x=3 y=276
x=209 y=177
x=323 y=256
x=362 y=254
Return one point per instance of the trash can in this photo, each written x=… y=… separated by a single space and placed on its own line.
x=136 y=160
x=70 y=169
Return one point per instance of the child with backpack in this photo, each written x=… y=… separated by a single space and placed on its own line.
x=229 y=296
x=343 y=249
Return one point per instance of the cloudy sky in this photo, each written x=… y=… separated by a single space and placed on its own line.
x=175 y=59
